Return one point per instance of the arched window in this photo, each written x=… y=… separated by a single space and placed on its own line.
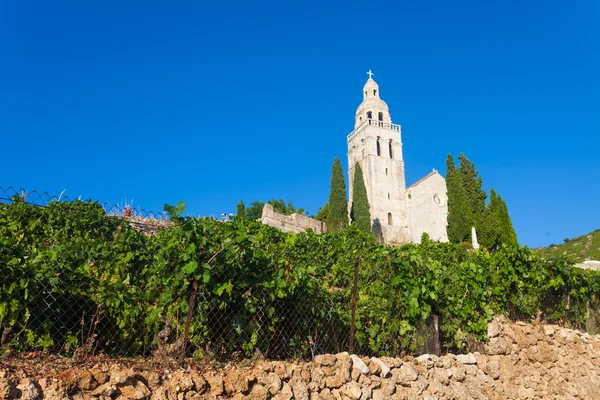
x=390 y=219
x=380 y=116
x=388 y=196
x=374 y=91
x=390 y=148
x=386 y=171
x=369 y=114
x=378 y=147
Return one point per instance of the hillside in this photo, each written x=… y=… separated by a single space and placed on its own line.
x=586 y=247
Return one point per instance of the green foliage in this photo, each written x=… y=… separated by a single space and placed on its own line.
x=360 y=212
x=323 y=213
x=241 y=210
x=460 y=214
x=473 y=185
x=259 y=289
x=337 y=217
x=467 y=208
x=579 y=249
x=254 y=211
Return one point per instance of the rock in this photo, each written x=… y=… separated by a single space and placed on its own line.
x=493 y=369
x=367 y=392
x=549 y=330
x=258 y=392
x=406 y=374
x=494 y=328
x=359 y=364
x=325 y=360
x=215 y=382
x=352 y=390
x=379 y=395
x=374 y=368
x=299 y=389
x=29 y=390
x=272 y=383
x=107 y=389
x=236 y=382
x=325 y=394
x=388 y=387
x=193 y=395
x=497 y=346
x=285 y=393
x=181 y=382
x=8 y=389
x=458 y=374
x=427 y=360
x=333 y=382
x=137 y=391
x=384 y=370
x=345 y=366
x=466 y=358
x=198 y=381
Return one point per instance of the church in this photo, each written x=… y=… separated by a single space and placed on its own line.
x=399 y=214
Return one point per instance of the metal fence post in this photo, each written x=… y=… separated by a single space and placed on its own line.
x=352 y=322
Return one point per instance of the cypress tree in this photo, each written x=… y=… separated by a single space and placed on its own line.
x=474 y=188
x=241 y=210
x=460 y=215
x=337 y=217
x=497 y=228
x=360 y=213
x=508 y=235
x=489 y=233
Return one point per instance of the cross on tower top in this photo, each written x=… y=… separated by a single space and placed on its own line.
x=370 y=74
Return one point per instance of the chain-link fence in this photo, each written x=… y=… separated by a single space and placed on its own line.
x=63 y=295
x=80 y=278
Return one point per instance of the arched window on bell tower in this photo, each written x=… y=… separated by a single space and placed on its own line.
x=380 y=116
x=378 y=147
x=391 y=149
x=390 y=219
x=369 y=115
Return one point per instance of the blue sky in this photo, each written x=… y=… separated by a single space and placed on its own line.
x=213 y=102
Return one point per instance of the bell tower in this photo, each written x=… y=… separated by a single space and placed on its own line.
x=375 y=144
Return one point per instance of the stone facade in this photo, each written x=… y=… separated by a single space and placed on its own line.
x=428 y=209
x=290 y=223
x=401 y=214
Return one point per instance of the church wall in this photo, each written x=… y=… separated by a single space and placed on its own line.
x=290 y=223
x=428 y=208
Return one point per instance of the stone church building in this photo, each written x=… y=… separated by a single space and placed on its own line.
x=402 y=214
x=399 y=214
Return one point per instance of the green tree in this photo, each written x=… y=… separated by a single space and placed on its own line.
x=323 y=213
x=241 y=210
x=460 y=215
x=473 y=185
x=508 y=235
x=497 y=228
x=254 y=212
x=489 y=233
x=337 y=217
x=360 y=211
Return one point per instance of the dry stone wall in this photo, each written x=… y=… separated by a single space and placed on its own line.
x=290 y=223
x=521 y=361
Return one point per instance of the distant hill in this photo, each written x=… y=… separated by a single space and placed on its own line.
x=586 y=247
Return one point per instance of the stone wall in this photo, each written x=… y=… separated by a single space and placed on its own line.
x=589 y=264
x=290 y=223
x=521 y=361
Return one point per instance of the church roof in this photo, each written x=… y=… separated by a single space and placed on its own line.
x=429 y=175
